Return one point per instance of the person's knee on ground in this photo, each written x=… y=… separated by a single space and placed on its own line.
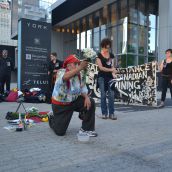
x=59 y=133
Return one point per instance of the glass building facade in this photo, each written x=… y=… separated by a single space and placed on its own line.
x=130 y=24
x=5 y=24
x=38 y=10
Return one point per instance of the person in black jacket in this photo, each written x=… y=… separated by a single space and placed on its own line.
x=5 y=71
x=53 y=66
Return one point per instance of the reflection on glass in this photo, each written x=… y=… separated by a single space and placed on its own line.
x=68 y=28
x=151 y=41
x=133 y=17
x=96 y=39
x=152 y=13
x=113 y=13
x=122 y=37
x=141 y=60
x=96 y=19
x=73 y=28
x=83 y=24
x=114 y=39
x=89 y=38
x=83 y=40
x=103 y=31
x=77 y=26
x=90 y=21
x=151 y=58
x=104 y=15
x=142 y=40
x=96 y=31
x=131 y=60
x=122 y=61
x=78 y=42
x=152 y=21
x=123 y=10
x=132 y=38
x=142 y=13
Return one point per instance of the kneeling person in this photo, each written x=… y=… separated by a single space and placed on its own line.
x=69 y=95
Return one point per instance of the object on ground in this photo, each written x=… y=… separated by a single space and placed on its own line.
x=83 y=138
x=34 y=95
x=34 y=115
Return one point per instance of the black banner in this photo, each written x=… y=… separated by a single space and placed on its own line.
x=34 y=48
x=134 y=85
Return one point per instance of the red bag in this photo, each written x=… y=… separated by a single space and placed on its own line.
x=12 y=96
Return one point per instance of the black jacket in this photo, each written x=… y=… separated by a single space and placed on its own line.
x=6 y=65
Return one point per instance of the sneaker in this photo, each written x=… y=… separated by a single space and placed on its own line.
x=161 y=105
x=104 y=116
x=113 y=117
x=88 y=133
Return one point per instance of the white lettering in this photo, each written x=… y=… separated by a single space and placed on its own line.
x=39 y=82
x=37 y=26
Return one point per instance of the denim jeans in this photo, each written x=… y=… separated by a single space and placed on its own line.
x=166 y=83
x=105 y=108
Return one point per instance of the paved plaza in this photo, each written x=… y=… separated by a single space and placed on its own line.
x=139 y=141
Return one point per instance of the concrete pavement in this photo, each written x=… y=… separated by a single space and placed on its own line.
x=139 y=141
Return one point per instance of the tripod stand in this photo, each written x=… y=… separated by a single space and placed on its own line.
x=20 y=101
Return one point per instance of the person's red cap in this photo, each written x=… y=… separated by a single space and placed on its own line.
x=70 y=59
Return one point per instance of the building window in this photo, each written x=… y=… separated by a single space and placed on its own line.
x=132 y=38
x=142 y=12
x=130 y=24
x=122 y=38
x=131 y=60
x=96 y=31
x=89 y=38
x=114 y=39
x=122 y=60
x=113 y=14
x=151 y=41
x=83 y=33
x=141 y=60
x=142 y=36
x=133 y=15
x=123 y=10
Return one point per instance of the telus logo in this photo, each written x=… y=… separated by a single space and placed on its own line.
x=40 y=82
x=36 y=26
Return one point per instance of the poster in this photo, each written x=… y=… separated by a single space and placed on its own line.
x=34 y=50
x=134 y=85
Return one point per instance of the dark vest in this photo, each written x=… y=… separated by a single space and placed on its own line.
x=167 y=69
x=108 y=63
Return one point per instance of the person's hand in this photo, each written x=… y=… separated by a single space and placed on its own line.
x=83 y=64
x=55 y=71
x=87 y=103
x=113 y=70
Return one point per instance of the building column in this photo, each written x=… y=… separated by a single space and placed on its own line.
x=165 y=27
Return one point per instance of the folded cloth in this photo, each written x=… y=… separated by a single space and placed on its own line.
x=70 y=59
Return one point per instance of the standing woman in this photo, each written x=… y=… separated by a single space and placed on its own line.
x=166 y=70
x=105 y=62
